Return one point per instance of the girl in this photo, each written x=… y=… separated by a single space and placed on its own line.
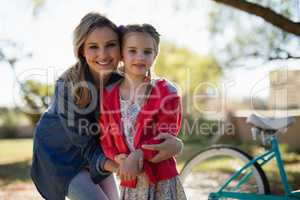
x=135 y=110
x=67 y=160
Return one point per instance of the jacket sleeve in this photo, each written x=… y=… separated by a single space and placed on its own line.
x=167 y=120
x=76 y=123
x=169 y=115
x=106 y=139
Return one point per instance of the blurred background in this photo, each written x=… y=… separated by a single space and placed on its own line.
x=228 y=58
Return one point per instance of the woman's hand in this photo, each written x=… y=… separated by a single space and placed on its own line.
x=131 y=166
x=170 y=147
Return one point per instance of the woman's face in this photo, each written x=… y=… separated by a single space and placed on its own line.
x=101 y=50
x=138 y=53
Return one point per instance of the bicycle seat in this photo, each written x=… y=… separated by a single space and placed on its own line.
x=269 y=123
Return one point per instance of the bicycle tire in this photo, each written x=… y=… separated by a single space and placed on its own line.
x=199 y=191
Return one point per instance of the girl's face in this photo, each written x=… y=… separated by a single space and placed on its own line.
x=101 y=50
x=138 y=53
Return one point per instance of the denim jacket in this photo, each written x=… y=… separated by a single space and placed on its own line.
x=66 y=141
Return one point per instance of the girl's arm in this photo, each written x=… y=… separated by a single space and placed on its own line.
x=110 y=166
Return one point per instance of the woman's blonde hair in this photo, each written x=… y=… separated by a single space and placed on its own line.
x=75 y=76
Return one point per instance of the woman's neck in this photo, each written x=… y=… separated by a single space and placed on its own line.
x=100 y=80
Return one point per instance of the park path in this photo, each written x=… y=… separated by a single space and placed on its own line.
x=27 y=191
x=20 y=191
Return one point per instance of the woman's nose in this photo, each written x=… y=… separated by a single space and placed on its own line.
x=102 y=53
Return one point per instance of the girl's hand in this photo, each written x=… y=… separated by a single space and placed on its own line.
x=120 y=158
x=131 y=166
x=170 y=147
x=111 y=165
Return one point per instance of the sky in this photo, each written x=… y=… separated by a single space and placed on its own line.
x=48 y=37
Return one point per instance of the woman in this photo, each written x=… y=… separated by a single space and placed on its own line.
x=67 y=160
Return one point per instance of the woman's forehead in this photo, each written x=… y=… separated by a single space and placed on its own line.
x=102 y=34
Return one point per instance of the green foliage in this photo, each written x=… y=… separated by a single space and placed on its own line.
x=240 y=38
x=189 y=70
x=37 y=97
x=180 y=64
x=9 y=121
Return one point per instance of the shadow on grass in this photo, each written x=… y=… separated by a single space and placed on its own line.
x=12 y=172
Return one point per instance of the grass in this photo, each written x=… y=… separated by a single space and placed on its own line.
x=15 y=150
x=15 y=159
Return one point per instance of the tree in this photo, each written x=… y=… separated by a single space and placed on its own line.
x=252 y=39
x=266 y=13
x=191 y=72
x=37 y=97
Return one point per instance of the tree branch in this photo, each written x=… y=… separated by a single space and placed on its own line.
x=267 y=14
x=279 y=54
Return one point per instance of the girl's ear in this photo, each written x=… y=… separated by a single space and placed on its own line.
x=121 y=68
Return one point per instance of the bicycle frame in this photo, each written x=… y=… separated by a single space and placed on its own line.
x=273 y=152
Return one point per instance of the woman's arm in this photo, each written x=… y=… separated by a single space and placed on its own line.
x=170 y=147
x=168 y=125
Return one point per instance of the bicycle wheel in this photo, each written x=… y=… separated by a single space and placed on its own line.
x=207 y=172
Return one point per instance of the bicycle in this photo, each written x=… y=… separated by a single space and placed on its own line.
x=238 y=175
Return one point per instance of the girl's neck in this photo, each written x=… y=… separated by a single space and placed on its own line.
x=133 y=88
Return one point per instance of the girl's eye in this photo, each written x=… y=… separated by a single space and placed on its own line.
x=147 y=52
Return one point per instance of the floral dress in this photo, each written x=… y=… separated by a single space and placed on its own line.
x=170 y=189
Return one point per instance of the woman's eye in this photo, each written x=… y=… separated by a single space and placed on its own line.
x=111 y=45
x=93 y=47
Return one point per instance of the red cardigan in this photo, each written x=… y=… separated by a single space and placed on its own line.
x=160 y=113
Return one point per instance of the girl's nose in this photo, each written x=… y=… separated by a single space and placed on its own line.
x=141 y=56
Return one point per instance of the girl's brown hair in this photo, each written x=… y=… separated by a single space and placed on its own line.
x=143 y=28
x=76 y=74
